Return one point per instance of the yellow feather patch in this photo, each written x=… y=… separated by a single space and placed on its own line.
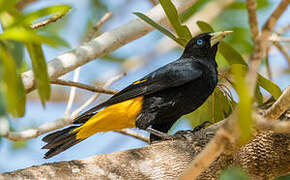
x=114 y=117
x=138 y=82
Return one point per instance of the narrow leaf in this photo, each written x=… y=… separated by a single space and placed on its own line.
x=172 y=14
x=204 y=27
x=40 y=71
x=269 y=86
x=245 y=120
x=160 y=28
x=12 y=85
x=59 y=10
x=26 y=35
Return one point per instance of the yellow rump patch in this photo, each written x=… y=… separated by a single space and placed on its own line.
x=114 y=117
x=138 y=82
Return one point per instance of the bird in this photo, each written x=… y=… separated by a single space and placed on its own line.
x=153 y=103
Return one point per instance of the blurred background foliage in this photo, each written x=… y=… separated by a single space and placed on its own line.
x=22 y=47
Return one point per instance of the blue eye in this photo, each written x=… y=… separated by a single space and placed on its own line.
x=199 y=42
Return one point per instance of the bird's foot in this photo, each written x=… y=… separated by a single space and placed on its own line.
x=183 y=133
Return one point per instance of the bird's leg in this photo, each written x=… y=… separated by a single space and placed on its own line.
x=195 y=129
x=160 y=134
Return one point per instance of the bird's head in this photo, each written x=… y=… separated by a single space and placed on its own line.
x=204 y=46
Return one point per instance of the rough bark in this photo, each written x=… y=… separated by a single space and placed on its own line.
x=264 y=157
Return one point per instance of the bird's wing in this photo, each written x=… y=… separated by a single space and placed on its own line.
x=171 y=75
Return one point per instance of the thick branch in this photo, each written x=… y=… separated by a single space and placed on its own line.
x=266 y=156
x=103 y=44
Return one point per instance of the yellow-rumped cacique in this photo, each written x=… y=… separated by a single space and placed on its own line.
x=154 y=102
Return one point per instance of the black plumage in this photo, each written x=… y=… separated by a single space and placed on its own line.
x=168 y=93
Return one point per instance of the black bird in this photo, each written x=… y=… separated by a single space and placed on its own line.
x=152 y=103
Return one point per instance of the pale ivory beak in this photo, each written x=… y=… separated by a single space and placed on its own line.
x=218 y=36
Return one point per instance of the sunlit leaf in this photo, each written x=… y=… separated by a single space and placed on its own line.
x=242 y=5
x=40 y=71
x=231 y=55
x=58 y=10
x=269 y=86
x=182 y=42
x=204 y=27
x=192 y=10
x=18 y=144
x=245 y=120
x=26 y=35
x=12 y=85
x=216 y=108
x=233 y=174
x=172 y=14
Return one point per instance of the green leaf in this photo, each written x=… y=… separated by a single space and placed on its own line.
x=18 y=144
x=245 y=120
x=233 y=174
x=258 y=96
x=269 y=86
x=231 y=55
x=216 y=108
x=58 y=10
x=40 y=71
x=182 y=42
x=192 y=10
x=172 y=14
x=11 y=86
x=27 y=36
x=242 y=5
x=204 y=27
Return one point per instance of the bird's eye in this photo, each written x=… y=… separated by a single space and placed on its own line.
x=199 y=42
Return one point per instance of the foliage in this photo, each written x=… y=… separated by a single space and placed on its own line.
x=17 y=34
x=233 y=173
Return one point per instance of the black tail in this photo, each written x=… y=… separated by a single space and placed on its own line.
x=59 y=141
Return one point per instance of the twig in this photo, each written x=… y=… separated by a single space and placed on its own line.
x=260 y=42
x=275 y=126
x=47 y=21
x=269 y=72
x=253 y=20
x=153 y=2
x=72 y=93
x=282 y=30
x=96 y=28
x=94 y=97
x=83 y=86
x=49 y=126
x=282 y=50
x=130 y=132
x=280 y=106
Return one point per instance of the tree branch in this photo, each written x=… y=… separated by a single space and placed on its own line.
x=50 y=126
x=83 y=86
x=103 y=44
x=267 y=156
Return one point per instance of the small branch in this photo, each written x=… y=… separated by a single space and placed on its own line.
x=282 y=50
x=261 y=42
x=269 y=72
x=253 y=20
x=96 y=28
x=83 y=86
x=47 y=21
x=275 y=126
x=95 y=97
x=130 y=132
x=50 y=126
x=153 y=2
x=72 y=93
x=280 y=106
